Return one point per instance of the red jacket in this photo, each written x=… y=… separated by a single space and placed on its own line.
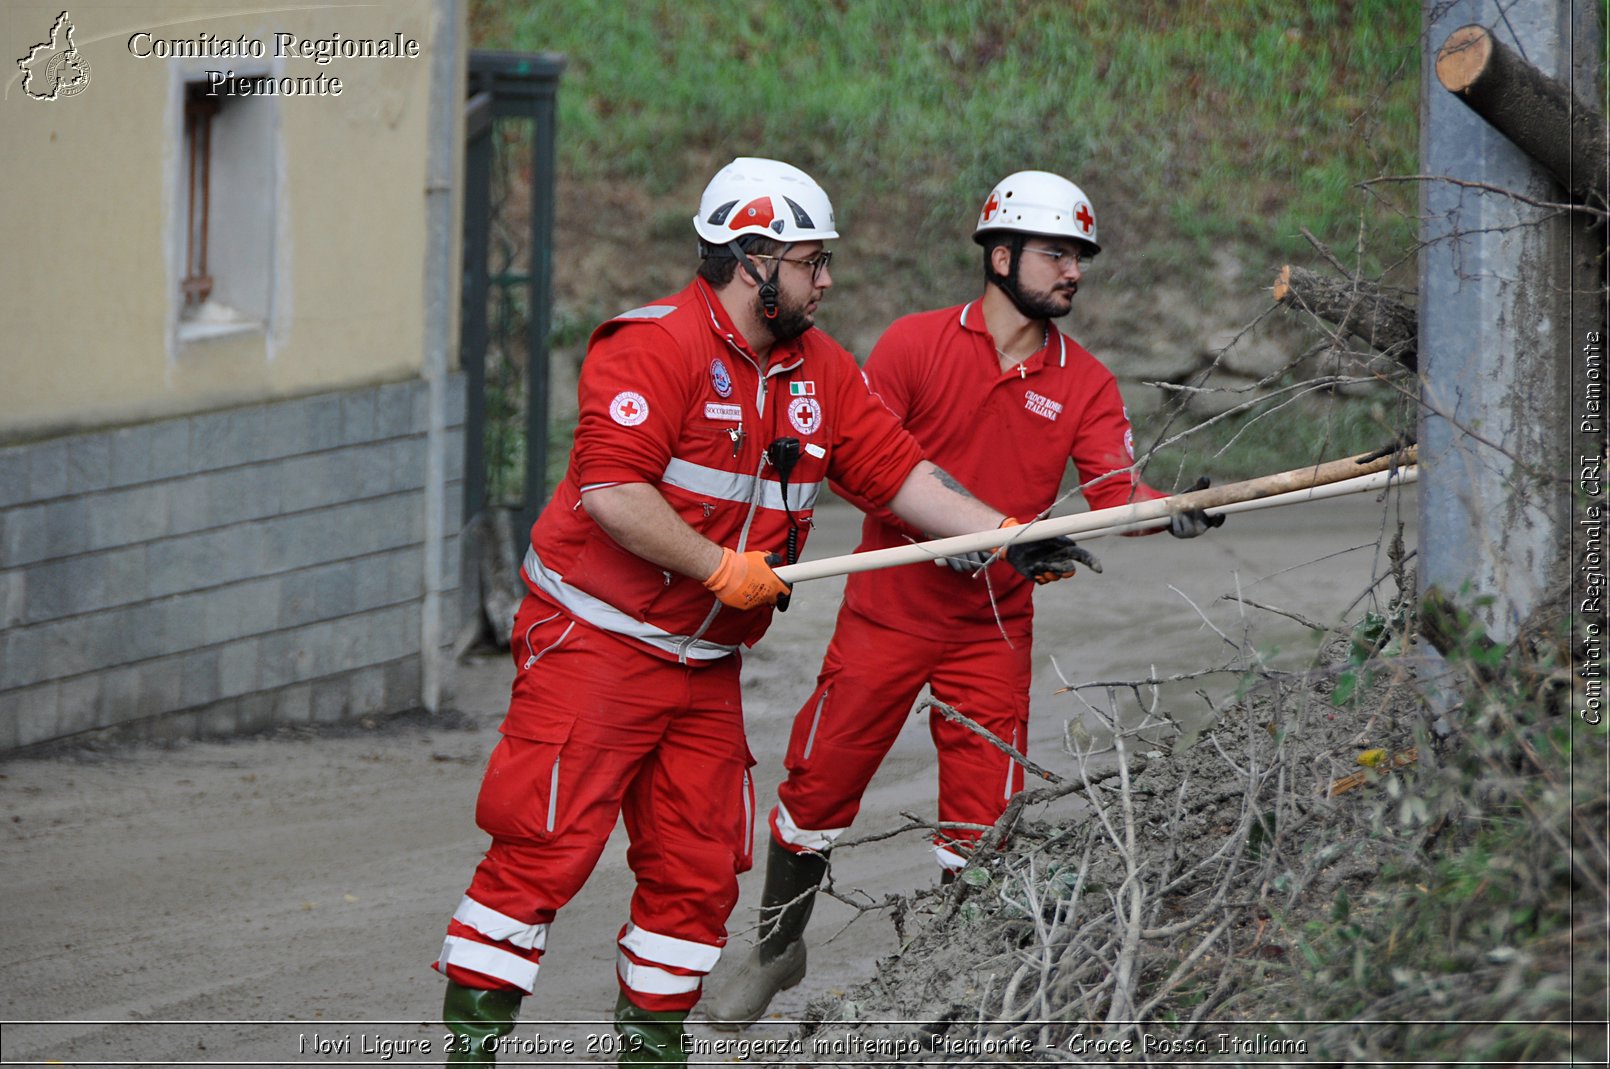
x=671 y=395
x=1007 y=437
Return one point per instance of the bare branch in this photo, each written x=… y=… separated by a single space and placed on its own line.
x=990 y=737
x=1488 y=187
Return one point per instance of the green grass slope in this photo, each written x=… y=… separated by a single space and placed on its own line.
x=1189 y=123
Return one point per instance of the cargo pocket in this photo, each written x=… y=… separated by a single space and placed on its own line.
x=521 y=796
x=621 y=579
x=744 y=856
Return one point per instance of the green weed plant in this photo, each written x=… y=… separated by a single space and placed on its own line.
x=1483 y=938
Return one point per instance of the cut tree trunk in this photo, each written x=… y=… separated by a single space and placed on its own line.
x=1536 y=111
x=1357 y=307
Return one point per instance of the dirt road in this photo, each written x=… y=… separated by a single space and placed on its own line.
x=278 y=901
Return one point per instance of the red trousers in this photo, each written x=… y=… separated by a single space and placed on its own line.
x=870 y=678
x=598 y=729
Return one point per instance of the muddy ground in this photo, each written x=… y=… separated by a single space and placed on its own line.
x=278 y=900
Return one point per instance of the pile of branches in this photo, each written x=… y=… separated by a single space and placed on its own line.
x=1141 y=891
x=1336 y=870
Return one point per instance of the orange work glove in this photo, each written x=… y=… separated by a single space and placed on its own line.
x=745 y=580
x=1000 y=551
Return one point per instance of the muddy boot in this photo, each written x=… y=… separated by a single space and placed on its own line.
x=649 y=1037
x=777 y=961
x=477 y=1019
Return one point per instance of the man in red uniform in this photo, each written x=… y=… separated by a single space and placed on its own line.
x=709 y=421
x=1002 y=399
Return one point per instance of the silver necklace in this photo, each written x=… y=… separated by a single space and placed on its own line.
x=1022 y=373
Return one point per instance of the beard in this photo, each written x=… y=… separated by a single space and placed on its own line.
x=791 y=321
x=1053 y=303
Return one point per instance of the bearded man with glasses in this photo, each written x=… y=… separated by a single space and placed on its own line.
x=647 y=573
x=998 y=396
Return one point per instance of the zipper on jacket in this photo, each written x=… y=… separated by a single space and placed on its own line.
x=754 y=498
x=534 y=655
x=760 y=472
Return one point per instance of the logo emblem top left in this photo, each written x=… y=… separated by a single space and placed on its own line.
x=54 y=69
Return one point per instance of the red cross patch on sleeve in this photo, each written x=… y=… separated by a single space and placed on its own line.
x=629 y=408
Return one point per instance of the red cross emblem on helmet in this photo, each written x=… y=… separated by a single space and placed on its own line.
x=757 y=212
x=991 y=206
x=1086 y=220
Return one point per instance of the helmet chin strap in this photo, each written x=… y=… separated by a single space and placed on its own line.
x=1008 y=283
x=768 y=286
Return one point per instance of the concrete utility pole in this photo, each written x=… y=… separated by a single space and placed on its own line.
x=1510 y=290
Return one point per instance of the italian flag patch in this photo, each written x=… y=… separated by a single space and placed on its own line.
x=802 y=389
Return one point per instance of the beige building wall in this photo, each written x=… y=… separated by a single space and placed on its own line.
x=329 y=205
x=243 y=513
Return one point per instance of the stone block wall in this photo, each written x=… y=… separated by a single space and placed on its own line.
x=223 y=572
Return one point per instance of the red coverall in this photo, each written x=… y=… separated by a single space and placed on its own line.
x=626 y=696
x=1007 y=436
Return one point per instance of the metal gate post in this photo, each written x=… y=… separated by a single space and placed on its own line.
x=1497 y=283
x=524 y=85
x=543 y=180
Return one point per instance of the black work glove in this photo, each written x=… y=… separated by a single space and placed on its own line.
x=1193 y=522
x=1051 y=559
x=775 y=560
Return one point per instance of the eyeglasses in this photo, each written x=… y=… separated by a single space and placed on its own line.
x=1060 y=258
x=817 y=263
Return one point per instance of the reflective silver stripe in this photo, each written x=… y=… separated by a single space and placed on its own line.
x=553 y=789
x=735 y=486
x=805 y=838
x=652 y=981
x=748 y=789
x=500 y=926
x=478 y=957
x=1006 y=789
x=816 y=719
x=1062 y=340
x=605 y=617
x=649 y=311
x=669 y=950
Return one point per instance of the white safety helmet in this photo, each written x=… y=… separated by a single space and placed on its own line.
x=1038 y=202
x=752 y=195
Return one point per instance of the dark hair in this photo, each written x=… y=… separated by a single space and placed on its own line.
x=718 y=265
x=996 y=239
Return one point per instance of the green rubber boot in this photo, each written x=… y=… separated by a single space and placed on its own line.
x=477 y=1019
x=777 y=961
x=649 y=1037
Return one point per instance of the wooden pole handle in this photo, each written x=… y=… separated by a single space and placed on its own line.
x=1335 y=471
